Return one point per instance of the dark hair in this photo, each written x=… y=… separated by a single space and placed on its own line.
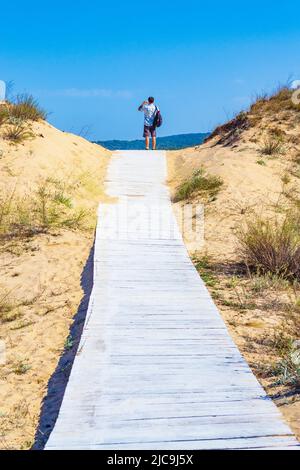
x=151 y=99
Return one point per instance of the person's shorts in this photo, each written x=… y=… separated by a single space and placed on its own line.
x=149 y=130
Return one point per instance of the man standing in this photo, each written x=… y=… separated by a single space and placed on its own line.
x=150 y=110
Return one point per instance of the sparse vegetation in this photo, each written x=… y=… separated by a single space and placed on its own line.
x=273 y=106
x=230 y=129
x=280 y=100
x=287 y=368
x=261 y=162
x=199 y=183
x=17 y=131
x=271 y=146
x=253 y=297
x=21 y=367
x=256 y=286
x=273 y=245
x=47 y=206
x=26 y=108
x=6 y=305
x=50 y=188
x=16 y=118
x=202 y=265
x=3 y=115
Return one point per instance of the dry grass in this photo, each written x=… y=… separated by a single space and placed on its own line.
x=7 y=306
x=229 y=129
x=47 y=206
x=3 y=115
x=278 y=104
x=271 y=146
x=15 y=118
x=16 y=131
x=199 y=183
x=280 y=100
x=253 y=304
x=26 y=108
x=272 y=245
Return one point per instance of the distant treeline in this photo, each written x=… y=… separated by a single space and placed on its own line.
x=172 y=142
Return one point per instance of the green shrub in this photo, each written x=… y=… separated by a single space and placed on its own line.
x=27 y=108
x=46 y=207
x=273 y=245
x=201 y=183
x=288 y=367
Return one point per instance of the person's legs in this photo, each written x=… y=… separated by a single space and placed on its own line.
x=147 y=136
x=153 y=135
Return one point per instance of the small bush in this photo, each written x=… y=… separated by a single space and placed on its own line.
x=288 y=367
x=46 y=207
x=271 y=146
x=27 y=108
x=17 y=131
x=200 y=182
x=273 y=246
x=54 y=207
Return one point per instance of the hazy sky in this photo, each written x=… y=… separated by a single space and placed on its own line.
x=91 y=63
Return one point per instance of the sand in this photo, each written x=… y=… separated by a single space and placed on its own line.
x=248 y=187
x=42 y=275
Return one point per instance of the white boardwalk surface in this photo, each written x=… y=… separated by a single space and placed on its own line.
x=156 y=367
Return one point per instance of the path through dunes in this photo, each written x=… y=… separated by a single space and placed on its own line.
x=156 y=367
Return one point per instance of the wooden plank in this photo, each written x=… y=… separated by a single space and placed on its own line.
x=156 y=367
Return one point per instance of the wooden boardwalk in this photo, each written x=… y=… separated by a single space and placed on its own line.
x=156 y=367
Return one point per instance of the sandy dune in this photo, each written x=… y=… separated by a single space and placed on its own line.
x=41 y=276
x=249 y=187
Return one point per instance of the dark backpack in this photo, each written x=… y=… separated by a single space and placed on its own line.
x=157 y=118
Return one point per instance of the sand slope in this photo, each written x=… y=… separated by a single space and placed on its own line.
x=246 y=185
x=41 y=275
x=255 y=310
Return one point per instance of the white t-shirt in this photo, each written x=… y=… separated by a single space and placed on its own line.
x=149 y=113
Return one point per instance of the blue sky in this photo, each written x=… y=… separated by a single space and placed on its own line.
x=91 y=63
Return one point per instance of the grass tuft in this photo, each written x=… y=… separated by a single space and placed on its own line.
x=27 y=108
x=272 y=146
x=199 y=183
x=287 y=369
x=21 y=367
x=17 y=131
x=272 y=245
x=45 y=207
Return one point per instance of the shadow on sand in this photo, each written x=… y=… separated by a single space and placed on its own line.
x=58 y=381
